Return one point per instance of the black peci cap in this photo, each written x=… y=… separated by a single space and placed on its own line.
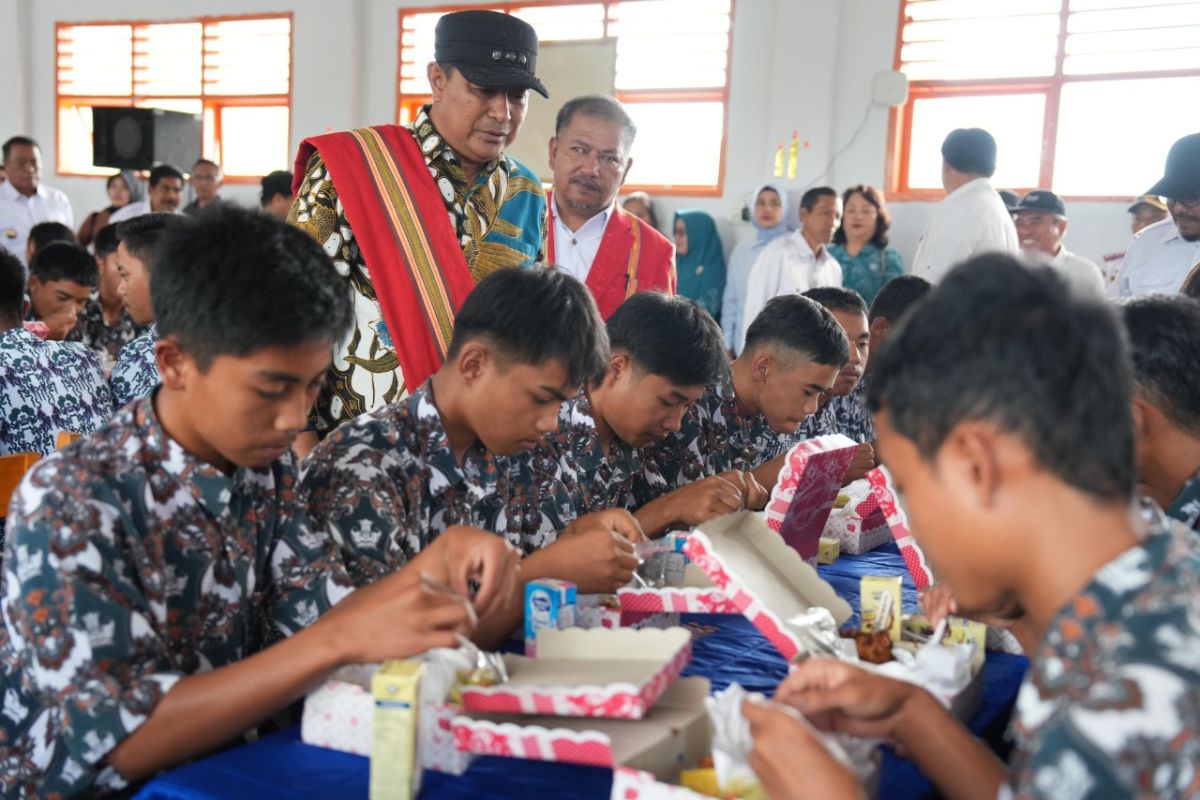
x=1042 y=200
x=1181 y=178
x=490 y=49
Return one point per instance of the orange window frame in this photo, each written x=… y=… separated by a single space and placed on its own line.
x=208 y=103
x=900 y=119
x=411 y=103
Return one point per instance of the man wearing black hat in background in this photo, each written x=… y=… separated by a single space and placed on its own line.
x=1162 y=254
x=414 y=216
x=972 y=219
x=1041 y=220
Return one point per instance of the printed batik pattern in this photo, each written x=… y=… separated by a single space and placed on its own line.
x=129 y=565
x=713 y=438
x=94 y=333
x=1186 y=505
x=499 y=221
x=1111 y=704
x=47 y=388
x=847 y=415
x=136 y=372
x=384 y=485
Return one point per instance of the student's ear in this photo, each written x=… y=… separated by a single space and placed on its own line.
x=618 y=365
x=35 y=284
x=437 y=80
x=970 y=464
x=760 y=367
x=172 y=363
x=553 y=151
x=879 y=329
x=472 y=361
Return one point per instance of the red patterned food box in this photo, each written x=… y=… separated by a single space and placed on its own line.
x=889 y=505
x=806 y=490
x=598 y=672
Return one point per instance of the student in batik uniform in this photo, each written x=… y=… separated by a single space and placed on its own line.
x=149 y=565
x=844 y=408
x=665 y=351
x=136 y=371
x=1003 y=408
x=793 y=351
x=93 y=329
x=61 y=279
x=385 y=485
x=1164 y=334
x=46 y=387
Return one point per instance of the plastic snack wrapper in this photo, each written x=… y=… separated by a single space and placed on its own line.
x=446 y=672
x=732 y=743
x=652 y=559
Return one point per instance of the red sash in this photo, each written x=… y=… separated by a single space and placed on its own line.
x=402 y=227
x=617 y=258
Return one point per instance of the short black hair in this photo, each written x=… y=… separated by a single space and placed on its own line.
x=802 y=326
x=44 y=233
x=63 y=261
x=1011 y=344
x=533 y=316
x=208 y=162
x=278 y=182
x=603 y=106
x=15 y=141
x=12 y=288
x=235 y=281
x=142 y=235
x=970 y=150
x=835 y=298
x=106 y=241
x=164 y=171
x=897 y=296
x=813 y=196
x=669 y=336
x=1164 y=341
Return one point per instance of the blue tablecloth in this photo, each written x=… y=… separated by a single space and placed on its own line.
x=726 y=649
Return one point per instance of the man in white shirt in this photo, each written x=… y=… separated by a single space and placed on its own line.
x=1146 y=210
x=612 y=252
x=1162 y=255
x=972 y=219
x=799 y=261
x=163 y=195
x=24 y=200
x=1041 y=220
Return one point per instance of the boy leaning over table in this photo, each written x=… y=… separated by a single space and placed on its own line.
x=749 y=420
x=383 y=486
x=149 y=567
x=1017 y=464
x=664 y=351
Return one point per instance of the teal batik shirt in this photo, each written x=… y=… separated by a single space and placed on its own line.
x=867 y=272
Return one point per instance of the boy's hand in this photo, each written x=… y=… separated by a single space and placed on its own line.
x=862 y=463
x=471 y=554
x=395 y=617
x=614 y=519
x=598 y=559
x=712 y=497
x=843 y=698
x=790 y=761
x=937 y=602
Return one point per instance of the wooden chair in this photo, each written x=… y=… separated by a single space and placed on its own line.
x=65 y=438
x=12 y=469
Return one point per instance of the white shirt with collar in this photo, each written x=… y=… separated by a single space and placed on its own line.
x=1082 y=274
x=971 y=220
x=787 y=265
x=574 y=251
x=18 y=214
x=130 y=210
x=1157 y=261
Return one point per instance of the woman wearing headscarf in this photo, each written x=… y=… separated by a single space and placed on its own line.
x=123 y=188
x=769 y=217
x=860 y=244
x=699 y=259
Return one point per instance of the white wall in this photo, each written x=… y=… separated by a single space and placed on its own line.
x=804 y=65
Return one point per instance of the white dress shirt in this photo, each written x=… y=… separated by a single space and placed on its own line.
x=574 y=251
x=971 y=220
x=1081 y=275
x=787 y=265
x=130 y=210
x=18 y=214
x=1158 y=260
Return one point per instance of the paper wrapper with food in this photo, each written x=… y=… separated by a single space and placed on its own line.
x=807 y=487
x=889 y=504
x=859 y=524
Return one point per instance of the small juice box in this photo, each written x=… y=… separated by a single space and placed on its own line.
x=873 y=589
x=676 y=560
x=549 y=604
x=393 y=748
x=968 y=631
x=830 y=549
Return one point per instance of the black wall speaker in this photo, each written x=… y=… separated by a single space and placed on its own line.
x=140 y=138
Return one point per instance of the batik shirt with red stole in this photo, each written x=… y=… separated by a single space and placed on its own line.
x=499 y=220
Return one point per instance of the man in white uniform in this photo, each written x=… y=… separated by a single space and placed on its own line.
x=1162 y=255
x=24 y=199
x=1041 y=220
x=972 y=219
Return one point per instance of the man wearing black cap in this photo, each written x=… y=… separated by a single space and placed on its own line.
x=972 y=219
x=1162 y=254
x=1041 y=220
x=414 y=216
